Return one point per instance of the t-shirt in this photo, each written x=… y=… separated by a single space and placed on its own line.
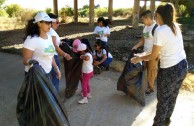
x=102 y=30
x=172 y=49
x=52 y=32
x=148 y=38
x=87 y=66
x=103 y=52
x=43 y=51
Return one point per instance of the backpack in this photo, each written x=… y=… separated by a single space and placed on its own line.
x=154 y=28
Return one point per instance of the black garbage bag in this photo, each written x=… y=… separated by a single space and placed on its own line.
x=130 y=81
x=38 y=101
x=72 y=70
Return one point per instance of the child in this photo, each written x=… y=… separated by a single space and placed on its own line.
x=102 y=31
x=87 y=72
x=147 y=40
x=102 y=58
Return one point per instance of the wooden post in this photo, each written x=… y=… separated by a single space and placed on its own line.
x=110 y=9
x=91 y=13
x=135 y=20
x=75 y=11
x=145 y=5
x=152 y=5
x=55 y=7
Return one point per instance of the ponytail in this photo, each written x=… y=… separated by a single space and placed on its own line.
x=32 y=29
x=168 y=14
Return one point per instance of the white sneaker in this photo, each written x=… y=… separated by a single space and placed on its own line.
x=83 y=101
x=89 y=95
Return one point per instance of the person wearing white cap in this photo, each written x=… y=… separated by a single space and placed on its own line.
x=38 y=45
x=87 y=72
x=56 y=42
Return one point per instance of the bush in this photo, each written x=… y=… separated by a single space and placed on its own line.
x=182 y=10
x=84 y=11
x=26 y=14
x=2 y=13
x=48 y=10
x=122 y=12
x=101 y=12
x=68 y=11
x=13 y=10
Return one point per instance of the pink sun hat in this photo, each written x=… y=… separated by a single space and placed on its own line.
x=75 y=44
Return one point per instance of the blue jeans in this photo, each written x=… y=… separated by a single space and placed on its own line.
x=54 y=78
x=106 y=62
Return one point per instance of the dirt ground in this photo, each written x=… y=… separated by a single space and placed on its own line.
x=108 y=107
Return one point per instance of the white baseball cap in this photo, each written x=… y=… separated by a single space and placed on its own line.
x=42 y=16
x=81 y=47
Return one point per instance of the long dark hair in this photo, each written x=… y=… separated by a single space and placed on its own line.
x=105 y=22
x=168 y=14
x=99 y=43
x=32 y=29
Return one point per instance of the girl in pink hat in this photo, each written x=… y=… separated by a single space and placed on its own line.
x=87 y=72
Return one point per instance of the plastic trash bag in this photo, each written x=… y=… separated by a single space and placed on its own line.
x=72 y=70
x=130 y=81
x=38 y=101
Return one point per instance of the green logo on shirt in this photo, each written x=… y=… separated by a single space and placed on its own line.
x=49 y=49
x=146 y=35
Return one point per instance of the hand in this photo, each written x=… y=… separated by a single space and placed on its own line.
x=81 y=57
x=31 y=62
x=96 y=63
x=67 y=57
x=135 y=60
x=58 y=74
x=134 y=48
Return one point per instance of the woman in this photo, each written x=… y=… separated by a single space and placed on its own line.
x=168 y=42
x=38 y=46
x=102 y=58
x=56 y=42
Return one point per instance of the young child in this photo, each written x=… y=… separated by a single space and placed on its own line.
x=102 y=58
x=148 y=40
x=87 y=72
x=102 y=31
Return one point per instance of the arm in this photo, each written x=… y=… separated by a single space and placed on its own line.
x=59 y=51
x=96 y=63
x=84 y=57
x=56 y=68
x=153 y=55
x=26 y=55
x=140 y=43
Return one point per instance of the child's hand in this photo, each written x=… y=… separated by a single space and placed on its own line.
x=96 y=63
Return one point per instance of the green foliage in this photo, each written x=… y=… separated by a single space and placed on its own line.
x=68 y=11
x=26 y=14
x=185 y=20
x=48 y=10
x=84 y=11
x=182 y=10
x=123 y=12
x=2 y=2
x=3 y=13
x=101 y=12
x=13 y=10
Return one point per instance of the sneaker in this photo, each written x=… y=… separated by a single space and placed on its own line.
x=149 y=91
x=89 y=96
x=97 y=70
x=83 y=101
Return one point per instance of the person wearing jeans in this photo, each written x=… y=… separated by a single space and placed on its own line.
x=56 y=42
x=168 y=45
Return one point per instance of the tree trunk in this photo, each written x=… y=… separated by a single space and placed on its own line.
x=135 y=21
x=91 y=13
x=55 y=7
x=75 y=11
